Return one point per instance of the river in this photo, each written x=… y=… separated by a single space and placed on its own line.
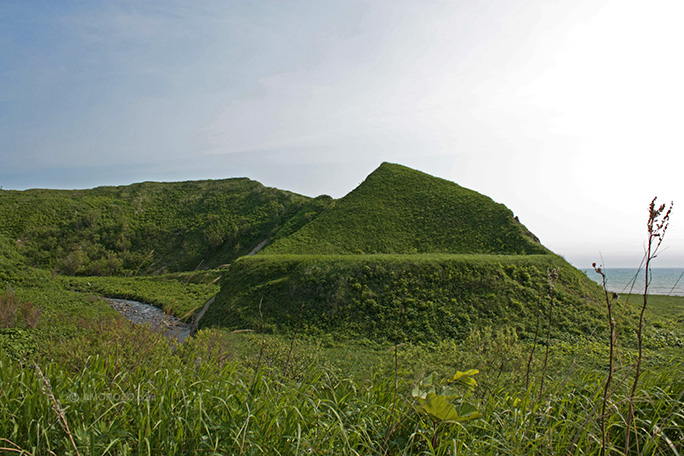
x=141 y=313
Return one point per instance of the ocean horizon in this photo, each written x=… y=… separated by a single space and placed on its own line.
x=664 y=281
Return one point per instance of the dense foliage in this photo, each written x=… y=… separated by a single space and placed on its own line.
x=341 y=352
x=400 y=210
x=402 y=297
x=177 y=294
x=148 y=227
x=120 y=389
x=11 y=262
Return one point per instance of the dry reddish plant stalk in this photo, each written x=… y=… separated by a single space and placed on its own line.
x=658 y=222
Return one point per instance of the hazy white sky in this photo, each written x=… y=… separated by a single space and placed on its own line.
x=569 y=112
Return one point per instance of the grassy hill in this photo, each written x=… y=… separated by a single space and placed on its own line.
x=78 y=378
x=404 y=256
x=401 y=210
x=403 y=297
x=148 y=227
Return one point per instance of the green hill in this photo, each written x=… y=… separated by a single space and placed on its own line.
x=402 y=297
x=404 y=256
x=148 y=227
x=400 y=210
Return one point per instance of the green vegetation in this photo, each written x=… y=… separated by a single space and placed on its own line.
x=400 y=210
x=177 y=294
x=306 y=214
x=132 y=392
x=12 y=264
x=411 y=317
x=401 y=297
x=145 y=228
x=404 y=256
x=663 y=308
x=665 y=317
x=36 y=312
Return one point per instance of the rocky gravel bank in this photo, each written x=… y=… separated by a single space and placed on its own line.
x=141 y=313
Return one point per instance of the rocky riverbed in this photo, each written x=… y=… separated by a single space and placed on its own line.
x=141 y=313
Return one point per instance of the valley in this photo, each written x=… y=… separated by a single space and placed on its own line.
x=412 y=316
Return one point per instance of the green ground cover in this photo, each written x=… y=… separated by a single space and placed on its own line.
x=402 y=297
x=342 y=352
x=179 y=294
x=133 y=392
x=400 y=210
x=149 y=227
x=661 y=306
x=124 y=389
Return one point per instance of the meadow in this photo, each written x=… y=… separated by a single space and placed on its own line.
x=93 y=383
x=445 y=328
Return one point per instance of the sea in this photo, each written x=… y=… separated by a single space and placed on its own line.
x=664 y=281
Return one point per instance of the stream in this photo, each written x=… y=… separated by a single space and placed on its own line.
x=141 y=313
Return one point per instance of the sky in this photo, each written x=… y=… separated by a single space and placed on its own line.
x=569 y=112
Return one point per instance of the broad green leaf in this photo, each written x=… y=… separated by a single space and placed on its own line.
x=468 y=412
x=427 y=381
x=439 y=408
x=417 y=393
x=451 y=393
x=466 y=378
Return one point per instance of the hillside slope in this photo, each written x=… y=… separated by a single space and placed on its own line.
x=404 y=256
x=401 y=210
x=148 y=227
x=402 y=297
x=11 y=262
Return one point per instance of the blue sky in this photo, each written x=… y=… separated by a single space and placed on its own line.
x=569 y=112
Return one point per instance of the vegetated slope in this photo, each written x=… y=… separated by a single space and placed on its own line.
x=306 y=214
x=401 y=210
x=404 y=256
x=11 y=262
x=403 y=297
x=146 y=227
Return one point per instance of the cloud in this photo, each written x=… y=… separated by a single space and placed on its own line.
x=570 y=107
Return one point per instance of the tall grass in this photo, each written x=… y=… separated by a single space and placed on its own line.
x=139 y=394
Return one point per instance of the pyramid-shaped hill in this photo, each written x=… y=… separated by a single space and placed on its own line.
x=398 y=210
x=405 y=256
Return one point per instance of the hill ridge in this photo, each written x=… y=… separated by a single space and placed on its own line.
x=397 y=209
x=147 y=227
